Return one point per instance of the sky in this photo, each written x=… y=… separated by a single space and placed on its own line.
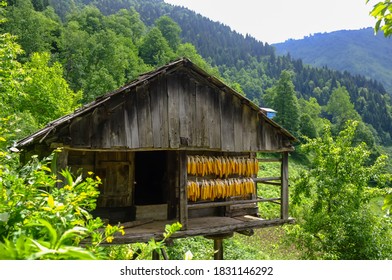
x=275 y=21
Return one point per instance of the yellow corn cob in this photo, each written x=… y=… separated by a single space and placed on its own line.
x=210 y=191
x=210 y=165
x=228 y=166
x=216 y=167
x=256 y=167
x=205 y=165
x=193 y=169
x=203 y=191
x=220 y=167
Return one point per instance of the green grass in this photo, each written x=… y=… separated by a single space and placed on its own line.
x=265 y=244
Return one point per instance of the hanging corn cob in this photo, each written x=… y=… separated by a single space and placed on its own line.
x=217 y=189
x=222 y=167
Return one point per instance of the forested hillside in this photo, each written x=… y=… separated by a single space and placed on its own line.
x=255 y=66
x=359 y=52
x=105 y=44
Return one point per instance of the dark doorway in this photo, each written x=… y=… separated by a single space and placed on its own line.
x=150 y=178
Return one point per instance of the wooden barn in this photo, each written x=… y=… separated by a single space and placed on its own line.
x=174 y=145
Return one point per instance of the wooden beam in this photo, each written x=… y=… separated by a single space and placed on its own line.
x=266 y=179
x=183 y=189
x=135 y=223
x=227 y=203
x=269 y=159
x=284 y=208
x=269 y=183
x=147 y=236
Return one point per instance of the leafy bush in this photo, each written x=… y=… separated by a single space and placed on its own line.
x=334 y=220
x=39 y=220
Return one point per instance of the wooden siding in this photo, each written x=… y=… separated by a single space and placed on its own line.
x=116 y=169
x=175 y=111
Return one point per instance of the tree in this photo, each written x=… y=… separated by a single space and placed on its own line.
x=170 y=30
x=126 y=23
x=102 y=60
x=74 y=54
x=310 y=121
x=382 y=11
x=340 y=108
x=35 y=31
x=154 y=49
x=334 y=218
x=307 y=127
x=47 y=95
x=11 y=73
x=40 y=5
x=188 y=50
x=89 y=18
x=285 y=102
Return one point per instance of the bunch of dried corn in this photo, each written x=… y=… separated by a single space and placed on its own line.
x=215 y=189
x=222 y=166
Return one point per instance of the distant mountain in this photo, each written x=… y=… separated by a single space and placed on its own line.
x=356 y=51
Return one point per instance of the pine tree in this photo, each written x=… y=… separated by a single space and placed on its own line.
x=285 y=102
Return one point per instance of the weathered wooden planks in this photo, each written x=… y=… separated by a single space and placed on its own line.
x=173 y=111
x=177 y=111
x=143 y=110
x=227 y=121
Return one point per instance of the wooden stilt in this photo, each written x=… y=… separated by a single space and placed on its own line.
x=218 y=244
x=155 y=255
x=284 y=197
x=218 y=249
x=164 y=254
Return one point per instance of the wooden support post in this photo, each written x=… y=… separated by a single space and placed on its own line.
x=218 y=244
x=284 y=194
x=164 y=254
x=218 y=249
x=155 y=255
x=183 y=190
x=61 y=164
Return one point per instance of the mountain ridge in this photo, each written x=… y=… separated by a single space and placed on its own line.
x=359 y=52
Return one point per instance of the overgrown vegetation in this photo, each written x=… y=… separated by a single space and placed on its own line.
x=38 y=220
x=333 y=194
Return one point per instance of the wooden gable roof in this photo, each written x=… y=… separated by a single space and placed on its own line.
x=178 y=106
